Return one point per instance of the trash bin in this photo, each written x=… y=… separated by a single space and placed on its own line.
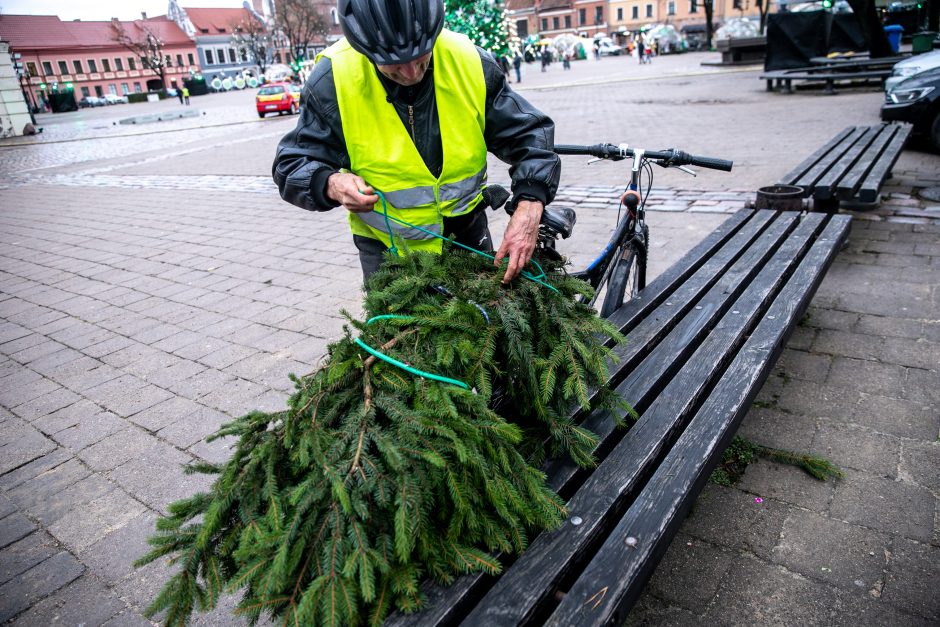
x=922 y=42
x=780 y=197
x=893 y=31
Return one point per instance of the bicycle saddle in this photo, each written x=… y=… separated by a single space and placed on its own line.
x=559 y=219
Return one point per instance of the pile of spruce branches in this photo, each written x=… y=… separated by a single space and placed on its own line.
x=332 y=511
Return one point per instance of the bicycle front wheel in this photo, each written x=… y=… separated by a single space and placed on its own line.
x=624 y=281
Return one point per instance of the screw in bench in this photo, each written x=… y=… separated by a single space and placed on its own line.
x=631 y=542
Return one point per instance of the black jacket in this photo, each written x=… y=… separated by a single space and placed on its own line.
x=515 y=131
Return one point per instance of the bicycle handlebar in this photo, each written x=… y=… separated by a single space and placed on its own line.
x=671 y=157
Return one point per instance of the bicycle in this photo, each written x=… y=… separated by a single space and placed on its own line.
x=621 y=265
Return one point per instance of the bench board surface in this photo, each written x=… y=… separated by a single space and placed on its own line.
x=702 y=338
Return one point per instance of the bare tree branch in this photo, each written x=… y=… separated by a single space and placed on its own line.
x=301 y=23
x=252 y=38
x=147 y=46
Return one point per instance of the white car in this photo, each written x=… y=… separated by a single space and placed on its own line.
x=914 y=65
x=115 y=99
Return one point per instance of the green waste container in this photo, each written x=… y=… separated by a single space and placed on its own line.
x=922 y=42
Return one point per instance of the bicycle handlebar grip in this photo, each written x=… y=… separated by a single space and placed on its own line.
x=709 y=162
x=572 y=149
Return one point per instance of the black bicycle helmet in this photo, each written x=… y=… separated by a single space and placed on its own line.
x=392 y=31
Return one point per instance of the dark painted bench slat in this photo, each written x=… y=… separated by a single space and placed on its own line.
x=516 y=597
x=614 y=579
x=852 y=179
x=829 y=160
x=796 y=173
x=867 y=190
x=825 y=187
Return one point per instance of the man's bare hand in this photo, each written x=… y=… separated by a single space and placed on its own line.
x=520 y=238
x=351 y=191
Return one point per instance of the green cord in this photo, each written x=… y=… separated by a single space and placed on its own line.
x=404 y=366
x=391 y=236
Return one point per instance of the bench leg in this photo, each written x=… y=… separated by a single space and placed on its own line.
x=789 y=84
x=827 y=205
x=830 y=87
x=770 y=84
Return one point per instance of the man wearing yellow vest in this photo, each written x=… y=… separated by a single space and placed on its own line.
x=404 y=107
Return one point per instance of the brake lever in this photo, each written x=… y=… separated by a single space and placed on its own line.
x=665 y=164
x=687 y=170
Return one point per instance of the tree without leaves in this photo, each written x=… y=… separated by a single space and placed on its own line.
x=709 y=6
x=252 y=37
x=147 y=46
x=301 y=24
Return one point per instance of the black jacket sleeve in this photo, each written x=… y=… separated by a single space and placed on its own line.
x=515 y=131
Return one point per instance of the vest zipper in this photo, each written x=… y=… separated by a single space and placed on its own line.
x=411 y=123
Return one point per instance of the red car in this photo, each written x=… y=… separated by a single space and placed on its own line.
x=278 y=97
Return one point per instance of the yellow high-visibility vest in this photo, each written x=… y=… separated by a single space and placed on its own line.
x=382 y=152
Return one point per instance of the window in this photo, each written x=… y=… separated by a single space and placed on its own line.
x=136 y=88
x=544 y=23
x=98 y=91
x=554 y=23
x=243 y=55
x=47 y=68
x=649 y=10
x=179 y=60
x=106 y=65
x=619 y=14
x=522 y=28
x=124 y=89
x=131 y=63
x=232 y=57
x=167 y=61
x=31 y=68
x=693 y=6
x=204 y=31
x=92 y=66
x=635 y=14
x=582 y=17
x=567 y=21
x=209 y=60
x=190 y=57
x=599 y=15
x=112 y=89
x=85 y=92
x=671 y=7
x=77 y=64
x=63 y=67
x=119 y=64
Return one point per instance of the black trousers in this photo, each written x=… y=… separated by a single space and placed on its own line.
x=471 y=229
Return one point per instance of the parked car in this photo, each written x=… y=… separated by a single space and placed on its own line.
x=916 y=100
x=608 y=48
x=115 y=99
x=911 y=66
x=278 y=98
x=91 y=101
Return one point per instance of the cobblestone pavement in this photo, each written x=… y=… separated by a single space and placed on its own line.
x=153 y=286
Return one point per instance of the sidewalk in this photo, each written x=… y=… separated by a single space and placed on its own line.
x=151 y=291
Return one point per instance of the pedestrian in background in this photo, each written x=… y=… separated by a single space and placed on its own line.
x=185 y=92
x=546 y=57
x=641 y=48
x=517 y=64
x=179 y=93
x=566 y=60
x=504 y=66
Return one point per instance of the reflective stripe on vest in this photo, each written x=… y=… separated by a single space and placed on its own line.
x=382 y=152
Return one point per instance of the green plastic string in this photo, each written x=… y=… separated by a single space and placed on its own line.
x=537 y=278
x=402 y=365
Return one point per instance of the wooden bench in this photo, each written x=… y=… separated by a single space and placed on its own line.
x=702 y=339
x=825 y=74
x=742 y=50
x=852 y=166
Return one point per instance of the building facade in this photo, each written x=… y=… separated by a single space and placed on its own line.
x=211 y=30
x=85 y=57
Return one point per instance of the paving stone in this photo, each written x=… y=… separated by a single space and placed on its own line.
x=788 y=484
x=845 y=344
x=194 y=427
x=858 y=375
x=165 y=413
x=912 y=577
x=140 y=586
x=777 y=429
x=202 y=383
x=920 y=464
x=6 y=506
x=158 y=482
x=920 y=386
x=731 y=518
x=20 y=443
x=112 y=557
x=690 y=572
x=899 y=417
x=817 y=401
x=215 y=452
x=855 y=611
x=55 y=504
x=13 y=527
x=915 y=353
x=651 y=611
x=25 y=553
x=179 y=370
x=85 y=601
x=886 y=505
x=753 y=592
x=46 y=404
x=849 y=446
x=127 y=395
x=847 y=556
x=890 y=326
x=23 y=386
x=116 y=449
x=28 y=471
x=38 y=582
x=128 y=618
x=92 y=520
x=46 y=484
x=89 y=429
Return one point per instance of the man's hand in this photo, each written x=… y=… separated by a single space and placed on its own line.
x=520 y=238
x=351 y=191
